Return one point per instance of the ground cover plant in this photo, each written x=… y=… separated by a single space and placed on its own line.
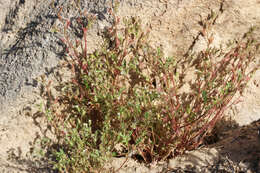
x=126 y=98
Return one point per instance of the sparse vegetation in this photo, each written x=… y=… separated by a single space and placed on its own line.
x=127 y=98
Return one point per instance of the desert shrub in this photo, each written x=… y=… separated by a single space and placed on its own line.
x=127 y=97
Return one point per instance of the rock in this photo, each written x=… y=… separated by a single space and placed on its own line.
x=30 y=48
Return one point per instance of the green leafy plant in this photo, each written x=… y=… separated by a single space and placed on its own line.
x=127 y=97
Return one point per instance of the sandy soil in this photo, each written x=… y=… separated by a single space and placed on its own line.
x=174 y=25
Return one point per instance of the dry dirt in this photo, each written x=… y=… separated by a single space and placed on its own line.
x=174 y=25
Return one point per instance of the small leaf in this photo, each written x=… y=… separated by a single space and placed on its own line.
x=204 y=96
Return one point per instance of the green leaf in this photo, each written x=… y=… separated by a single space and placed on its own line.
x=204 y=96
